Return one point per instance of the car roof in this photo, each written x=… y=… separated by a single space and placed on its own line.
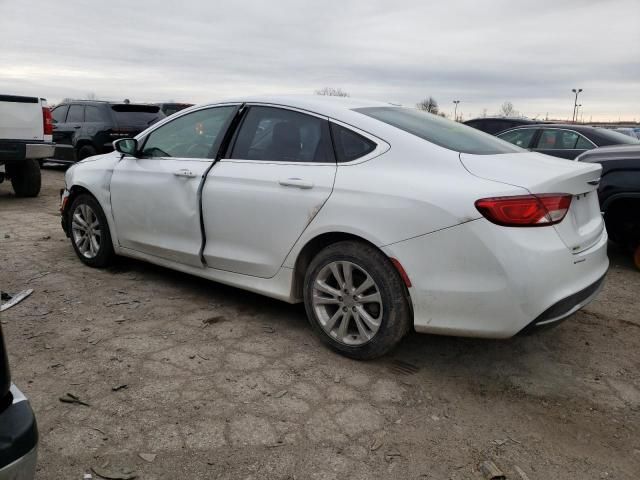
x=329 y=106
x=614 y=152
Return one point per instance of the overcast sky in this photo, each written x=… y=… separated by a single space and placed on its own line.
x=481 y=52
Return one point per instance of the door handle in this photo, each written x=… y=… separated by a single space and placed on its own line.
x=184 y=172
x=77 y=126
x=295 y=182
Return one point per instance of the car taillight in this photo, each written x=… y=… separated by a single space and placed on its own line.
x=525 y=210
x=47 y=121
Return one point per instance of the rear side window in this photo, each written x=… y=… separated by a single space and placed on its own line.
x=280 y=135
x=557 y=140
x=583 y=143
x=76 y=114
x=521 y=137
x=349 y=145
x=136 y=115
x=59 y=114
x=445 y=133
x=93 y=114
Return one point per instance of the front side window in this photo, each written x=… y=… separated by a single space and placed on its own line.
x=195 y=135
x=279 y=135
x=557 y=140
x=76 y=114
x=59 y=114
x=445 y=133
x=349 y=145
x=520 y=137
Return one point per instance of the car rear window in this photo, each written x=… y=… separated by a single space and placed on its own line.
x=138 y=115
x=445 y=133
x=615 y=138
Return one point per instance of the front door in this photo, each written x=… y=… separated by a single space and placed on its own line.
x=154 y=198
x=258 y=201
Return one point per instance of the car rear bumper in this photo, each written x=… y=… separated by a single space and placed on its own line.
x=40 y=150
x=18 y=439
x=482 y=280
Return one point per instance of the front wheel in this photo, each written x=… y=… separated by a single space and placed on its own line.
x=356 y=300
x=89 y=231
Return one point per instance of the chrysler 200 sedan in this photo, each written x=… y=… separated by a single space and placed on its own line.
x=379 y=218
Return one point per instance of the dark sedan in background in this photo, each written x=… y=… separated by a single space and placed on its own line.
x=564 y=141
x=495 y=125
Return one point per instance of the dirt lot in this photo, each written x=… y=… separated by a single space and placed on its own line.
x=253 y=395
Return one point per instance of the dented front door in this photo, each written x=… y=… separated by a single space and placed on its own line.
x=254 y=211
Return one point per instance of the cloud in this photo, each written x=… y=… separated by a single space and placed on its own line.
x=483 y=53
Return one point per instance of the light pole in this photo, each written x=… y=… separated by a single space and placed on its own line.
x=455 y=110
x=575 y=102
x=578 y=111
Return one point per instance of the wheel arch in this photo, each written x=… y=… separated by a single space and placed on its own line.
x=314 y=245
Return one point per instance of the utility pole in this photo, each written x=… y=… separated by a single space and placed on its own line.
x=455 y=110
x=575 y=102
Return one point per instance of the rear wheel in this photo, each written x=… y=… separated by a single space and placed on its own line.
x=356 y=301
x=89 y=232
x=25 y=177
x=86 y=151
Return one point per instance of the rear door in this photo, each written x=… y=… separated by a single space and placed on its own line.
x=258 y=201
x=562 y=143
x=155 y=198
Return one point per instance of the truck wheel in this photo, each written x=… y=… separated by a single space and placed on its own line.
x=86 y=151
x=25 y=177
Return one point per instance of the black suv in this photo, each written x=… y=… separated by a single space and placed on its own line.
x=18 y=430
x=82 y=128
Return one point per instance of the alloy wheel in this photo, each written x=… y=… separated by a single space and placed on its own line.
x=86 y=230
x=347 y=303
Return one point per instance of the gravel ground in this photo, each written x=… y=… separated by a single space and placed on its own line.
x=225 y=384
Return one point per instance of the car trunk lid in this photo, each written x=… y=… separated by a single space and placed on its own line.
x=583 y=224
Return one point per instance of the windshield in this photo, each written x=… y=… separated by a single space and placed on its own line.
x=138 y=115
x=445 y=133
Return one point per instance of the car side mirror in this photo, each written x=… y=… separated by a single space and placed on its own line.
x=127 y=146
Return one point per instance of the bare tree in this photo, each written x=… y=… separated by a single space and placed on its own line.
x=429 y=104
x=91 y=96
x=507 y=110
x=484 y=113
x=332 y=92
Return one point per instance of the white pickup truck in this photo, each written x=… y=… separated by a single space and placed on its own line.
x=25 y=139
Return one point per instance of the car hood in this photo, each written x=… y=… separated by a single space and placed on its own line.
x=536 y=172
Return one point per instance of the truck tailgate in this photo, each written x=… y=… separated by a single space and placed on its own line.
x=20 y=118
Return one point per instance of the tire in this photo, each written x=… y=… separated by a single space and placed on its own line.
x=25 y=177
x=89 y=211
x=85 y=151
x=390 y=312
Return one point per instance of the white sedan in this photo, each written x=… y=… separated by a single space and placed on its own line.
x=379 y=218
